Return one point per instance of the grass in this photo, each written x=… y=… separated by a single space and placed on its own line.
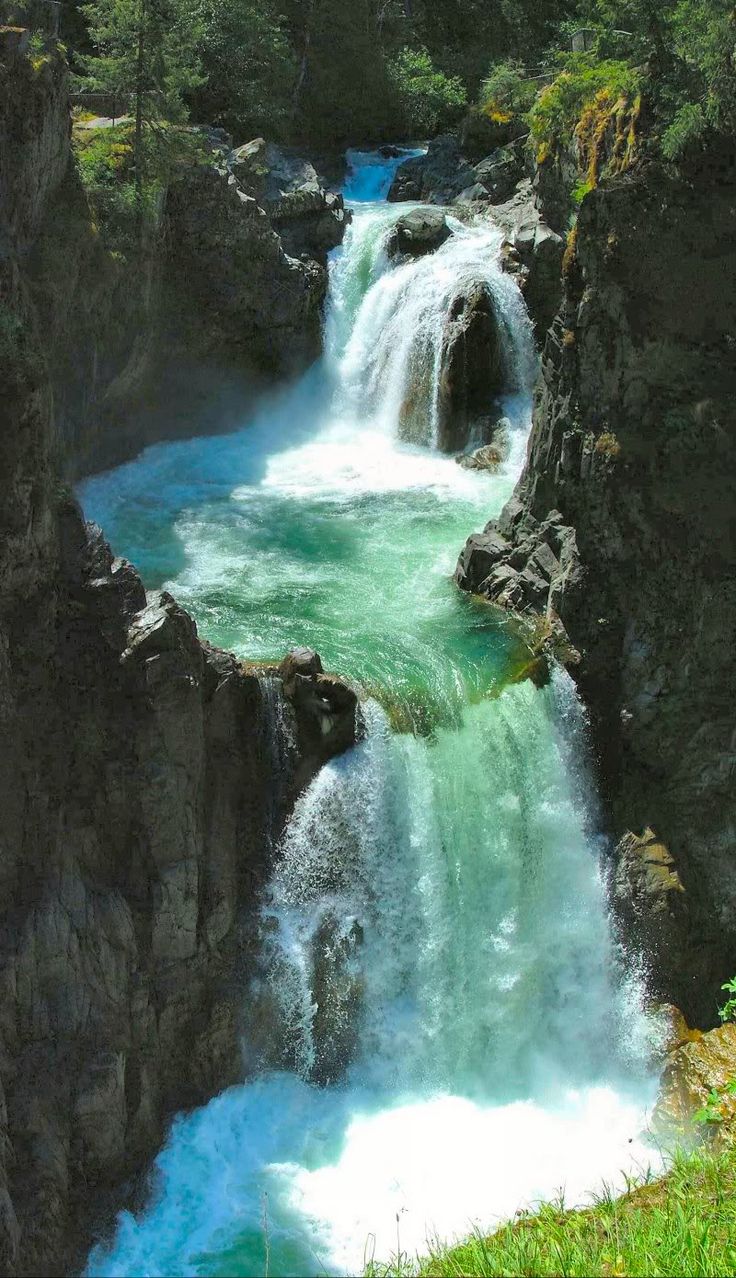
x=683 y=1224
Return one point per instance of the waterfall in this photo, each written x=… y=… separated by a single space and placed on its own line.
x=451 y=1035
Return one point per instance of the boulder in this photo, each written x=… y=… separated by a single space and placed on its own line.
x=439 y=176
x=489 y=457
x=472 y=367
x=500 y=172
x=695 y=1074
x=419 y=232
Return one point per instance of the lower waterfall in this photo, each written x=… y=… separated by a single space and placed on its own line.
x=456 y=1036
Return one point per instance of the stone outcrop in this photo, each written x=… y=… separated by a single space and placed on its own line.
x=629 y=486
x=696 y=1080
x=309 y=219
x=144 y=779
x=472 y=367
x=225 y=296
x=419 y=232
x=438 y=177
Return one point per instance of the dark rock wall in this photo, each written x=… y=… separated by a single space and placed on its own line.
x=631 y=481
x=143 y=779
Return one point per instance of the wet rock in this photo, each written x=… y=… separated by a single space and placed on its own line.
x=439 y=176
x=472 y=367
x=337 y=989
x=488 y=457
x=693 y=1072
x=419 y=232
x=481 y=553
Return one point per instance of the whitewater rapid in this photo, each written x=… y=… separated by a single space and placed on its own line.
x=447 y=871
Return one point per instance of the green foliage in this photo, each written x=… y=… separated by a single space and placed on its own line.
x=507 y=88
x=728 y=1011
x=429 y=100
x=249 y=66
x=682 y=1225
x=560 y=105
x=146 y=49
x=686 y=130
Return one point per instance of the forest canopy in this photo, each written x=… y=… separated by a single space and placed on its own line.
x=329 y=72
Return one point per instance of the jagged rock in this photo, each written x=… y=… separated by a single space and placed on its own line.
x=694 y=1071
x=540 y=250
x=439 y=176
x=488 y=457
x=419 y=232
x=472 y=367
x=481 y=553
x=500 y=173
x=337 y=988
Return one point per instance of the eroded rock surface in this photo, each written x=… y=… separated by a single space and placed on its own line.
x=144 y=778
x=630 y=484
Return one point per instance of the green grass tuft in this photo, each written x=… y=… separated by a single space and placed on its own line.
x=681 y=1225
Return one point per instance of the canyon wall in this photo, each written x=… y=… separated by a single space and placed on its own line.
x=623 y=529
x=144 y=776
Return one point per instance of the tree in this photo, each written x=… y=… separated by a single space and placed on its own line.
x=250 y=67
x=145 y=51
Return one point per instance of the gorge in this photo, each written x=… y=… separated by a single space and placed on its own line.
x=437 y=951
x=383 y=943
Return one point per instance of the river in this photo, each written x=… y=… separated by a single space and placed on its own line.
x=449 y=868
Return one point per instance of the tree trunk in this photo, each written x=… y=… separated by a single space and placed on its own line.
x=138 y=143
x=304 y=64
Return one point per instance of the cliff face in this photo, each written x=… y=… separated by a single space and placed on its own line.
x=623 y=527
x=224 y=295
x=144 y=778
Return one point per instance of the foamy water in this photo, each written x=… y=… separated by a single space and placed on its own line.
x=446 y=875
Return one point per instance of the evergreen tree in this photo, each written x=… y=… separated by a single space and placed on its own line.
x=145 y=51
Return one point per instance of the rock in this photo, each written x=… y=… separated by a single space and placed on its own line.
x=419 y=232
x=337 y=990
x=299 y=662
x=472 y=367
x=693 y=1071
x=439 y=176
x=671 y=1028
x=489 y=457
x=481 y=553
x=500 y=172
x=541 y=251
x=480 y=133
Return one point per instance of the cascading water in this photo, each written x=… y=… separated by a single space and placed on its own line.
x=436 y=946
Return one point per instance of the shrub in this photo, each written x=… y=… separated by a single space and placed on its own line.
x=428 y=99
x=559 y=107
x=506 y=91
x=685 y=131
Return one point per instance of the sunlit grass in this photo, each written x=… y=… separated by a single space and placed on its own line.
x=683 y=1224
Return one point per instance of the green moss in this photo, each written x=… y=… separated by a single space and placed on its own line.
x=559 y=107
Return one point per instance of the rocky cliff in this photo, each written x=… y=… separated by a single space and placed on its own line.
x=622 y=529
x=144 y=776
x=223 y=296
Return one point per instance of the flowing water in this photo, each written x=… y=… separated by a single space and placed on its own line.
x=440 y=886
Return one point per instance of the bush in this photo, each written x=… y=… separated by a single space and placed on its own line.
x=506 y=91
x=560 y=105
x=428 y=99
x=685 y=131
